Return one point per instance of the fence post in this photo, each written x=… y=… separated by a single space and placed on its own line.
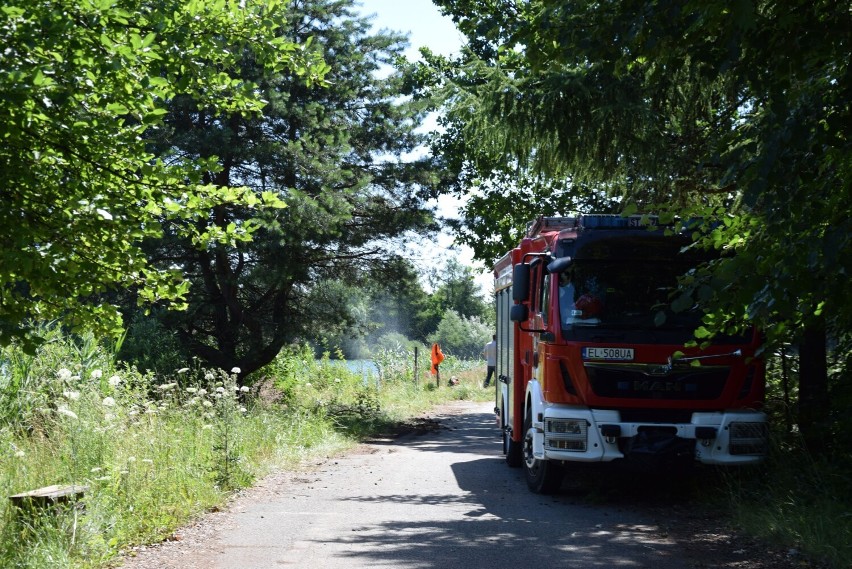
x=415 y=365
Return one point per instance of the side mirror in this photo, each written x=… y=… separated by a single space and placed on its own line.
x=519 y=313
x=559 y=265
x=521 y=283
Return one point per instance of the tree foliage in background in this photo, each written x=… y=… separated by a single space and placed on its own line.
x=82 y=83
x=455 y=289
x=461 y=336
x=401 y=305
x=737 y=113
x=332 y=153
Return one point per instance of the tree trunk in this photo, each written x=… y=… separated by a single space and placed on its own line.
x=813 y=387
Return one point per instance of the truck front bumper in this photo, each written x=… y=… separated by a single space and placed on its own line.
x=590 y=435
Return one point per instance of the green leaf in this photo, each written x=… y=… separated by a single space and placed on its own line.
x=702 y=333
x=629 y=209
x=682 y=302
x=117 y=109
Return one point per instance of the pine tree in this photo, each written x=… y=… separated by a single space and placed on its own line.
x=332 y=153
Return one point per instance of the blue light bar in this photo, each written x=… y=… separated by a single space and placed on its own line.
x=603 y=221
x=615 y=221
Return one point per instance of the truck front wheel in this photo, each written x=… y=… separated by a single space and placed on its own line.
x=543 y=476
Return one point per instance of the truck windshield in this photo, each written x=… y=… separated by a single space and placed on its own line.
x=623 y=294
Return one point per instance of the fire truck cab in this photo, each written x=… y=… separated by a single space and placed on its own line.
x=592 y=363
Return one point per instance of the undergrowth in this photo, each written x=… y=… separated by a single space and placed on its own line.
x=797 y=501
x=154 y=451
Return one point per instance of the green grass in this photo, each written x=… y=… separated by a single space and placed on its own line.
x=798 y=503
x=156 y=452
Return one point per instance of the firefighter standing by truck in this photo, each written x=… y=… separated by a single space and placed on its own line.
x=490 y=354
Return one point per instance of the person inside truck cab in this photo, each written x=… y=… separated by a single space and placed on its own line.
x=574 y=307
x=566 y=298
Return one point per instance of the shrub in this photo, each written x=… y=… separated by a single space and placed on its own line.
x=463 y=337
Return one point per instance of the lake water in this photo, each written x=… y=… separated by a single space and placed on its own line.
x=363 y=367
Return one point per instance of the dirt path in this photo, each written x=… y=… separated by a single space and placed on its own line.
x=441 y=496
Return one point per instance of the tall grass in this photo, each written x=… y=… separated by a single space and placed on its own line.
x=799 y=502
x=155 y=451
x=796 y=499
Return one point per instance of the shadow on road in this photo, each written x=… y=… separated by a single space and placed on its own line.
x=491 y=519
x=595 y=484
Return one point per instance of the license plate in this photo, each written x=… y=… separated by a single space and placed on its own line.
x=624 y=354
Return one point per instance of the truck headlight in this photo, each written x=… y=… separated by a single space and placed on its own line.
x=566 y=434
x=748 y=438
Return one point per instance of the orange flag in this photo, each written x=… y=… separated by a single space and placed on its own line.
x=437 y=358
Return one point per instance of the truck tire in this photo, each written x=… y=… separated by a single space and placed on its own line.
x=512 y=449
x=543 y=476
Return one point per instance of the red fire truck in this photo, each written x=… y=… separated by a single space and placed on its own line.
x=592 y=363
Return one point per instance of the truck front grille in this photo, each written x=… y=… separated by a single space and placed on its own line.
x=628 y=381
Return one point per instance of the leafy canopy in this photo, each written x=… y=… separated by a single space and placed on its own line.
x=82 y=82
x=736 y=113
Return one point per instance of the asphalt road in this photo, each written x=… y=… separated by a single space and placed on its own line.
x=440 y=497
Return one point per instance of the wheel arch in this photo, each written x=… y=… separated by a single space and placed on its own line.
x=534 y=401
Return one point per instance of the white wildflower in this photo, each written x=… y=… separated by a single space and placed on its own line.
x=235 y=370
x=183 y=370
x=108 y=402
x=207 y=404
x=114 y=381
x=131 y=459
x=220 y=390
x=308 y=384
x=96 y=374
x=20 y=454
x=192 y=390
x=167 y=386
x=67 y=412
x=72 y=395
x=202 y=391
x=243 y=409
x=96 y=469
x=64 y=374
x=209 y=376
x=244 y=389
